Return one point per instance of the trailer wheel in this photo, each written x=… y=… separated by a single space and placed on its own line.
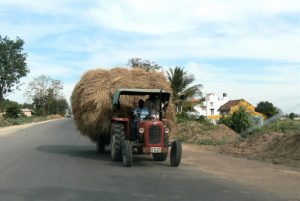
x=117 y=136
x=127 y=153
x=160 y=156
x=101 y=144
x=176 y=153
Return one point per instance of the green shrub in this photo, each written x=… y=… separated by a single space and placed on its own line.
x=13 y=111
x=185 y=117
x=240 y=121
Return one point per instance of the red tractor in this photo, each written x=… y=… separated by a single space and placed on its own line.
x=142 y=134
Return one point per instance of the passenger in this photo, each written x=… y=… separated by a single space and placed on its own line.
x=152 y=104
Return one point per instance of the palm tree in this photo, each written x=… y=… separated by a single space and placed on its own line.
x=181 y=85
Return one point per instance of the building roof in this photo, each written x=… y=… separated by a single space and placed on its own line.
x=26 y=110
x=227 y=106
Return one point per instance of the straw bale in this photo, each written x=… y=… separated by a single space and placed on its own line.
x=92 y=97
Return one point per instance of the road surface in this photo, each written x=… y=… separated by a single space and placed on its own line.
x=51 y=161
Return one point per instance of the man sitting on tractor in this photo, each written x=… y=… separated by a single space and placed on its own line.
x=139 y=113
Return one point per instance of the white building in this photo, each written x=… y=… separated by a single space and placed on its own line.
x=27 y=112
x=211 y=104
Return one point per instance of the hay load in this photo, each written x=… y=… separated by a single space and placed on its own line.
x=91 y=98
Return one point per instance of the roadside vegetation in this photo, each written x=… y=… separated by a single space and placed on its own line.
x=43 y=93
x=25 y=120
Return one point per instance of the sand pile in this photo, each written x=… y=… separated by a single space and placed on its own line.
x=279 y=147
x=199 y=133
x=92 y=97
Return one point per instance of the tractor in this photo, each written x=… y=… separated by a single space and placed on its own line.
x=135 y=134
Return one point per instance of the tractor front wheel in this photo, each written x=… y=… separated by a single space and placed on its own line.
x=176 y=153
x=127 y=153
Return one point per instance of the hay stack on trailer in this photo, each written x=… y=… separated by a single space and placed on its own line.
x=92 y=97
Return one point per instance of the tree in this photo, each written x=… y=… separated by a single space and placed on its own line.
x=46 y=96
x=12 y=64
x=292 y=115
x=239 y=121
x=13 y=111
x=266 y=108
x=180 y=83
x=144 y=64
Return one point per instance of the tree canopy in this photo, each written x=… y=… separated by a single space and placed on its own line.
x=181 y=83
x=12 y=64
x=144 y=64
x=46 y=96
x=266 y=108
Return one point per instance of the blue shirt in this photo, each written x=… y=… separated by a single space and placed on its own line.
x=144 y=112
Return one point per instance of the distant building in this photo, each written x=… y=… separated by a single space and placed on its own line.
x=27 y=112
x=210 y=105
x=233 y=105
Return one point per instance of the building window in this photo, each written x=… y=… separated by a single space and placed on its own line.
x=212 y=111
x=211 y=104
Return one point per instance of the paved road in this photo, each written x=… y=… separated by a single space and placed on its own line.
x=51 y=161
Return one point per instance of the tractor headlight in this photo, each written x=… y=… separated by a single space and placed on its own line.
x=141 y=130
x=167 y=130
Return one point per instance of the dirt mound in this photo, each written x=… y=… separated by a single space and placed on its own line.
x=274 y=146
x=3 y=122
x=91 y=97
x=199 y=133
x=285 y=147
x=54 y=116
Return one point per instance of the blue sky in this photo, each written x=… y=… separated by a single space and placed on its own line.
x=249 y=49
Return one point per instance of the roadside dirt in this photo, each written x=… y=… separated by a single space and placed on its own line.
x=274 y=147
x=280 y=180
x=195 y=132
x=11 y=129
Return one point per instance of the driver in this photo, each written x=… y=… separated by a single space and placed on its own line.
x=139 y=113
x=141 y=110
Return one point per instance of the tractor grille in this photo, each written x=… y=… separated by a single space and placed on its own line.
x=154 y=135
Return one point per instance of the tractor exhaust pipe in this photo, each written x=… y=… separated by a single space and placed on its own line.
x=160 y=109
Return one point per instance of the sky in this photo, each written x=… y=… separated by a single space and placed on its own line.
x=249 y=49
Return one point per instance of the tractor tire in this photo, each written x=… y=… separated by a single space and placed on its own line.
x=127 y=153
x=166 y=139
x=160 y=156
x=176 y=153
x=100 y=144
x=117 y=137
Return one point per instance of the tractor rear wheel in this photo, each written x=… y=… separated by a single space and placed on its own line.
x=176 y=153
x=117 y=136
x=127 y=153
x=160 y=156
x=101 y=144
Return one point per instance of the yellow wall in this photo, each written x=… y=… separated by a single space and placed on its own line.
x=214 y=117
x=249 y=108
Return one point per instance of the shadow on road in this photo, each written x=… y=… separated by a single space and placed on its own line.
x=61 y=193
x=81 y=151
x=90 y=152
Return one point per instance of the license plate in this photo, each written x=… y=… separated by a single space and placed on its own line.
x=155 y=149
